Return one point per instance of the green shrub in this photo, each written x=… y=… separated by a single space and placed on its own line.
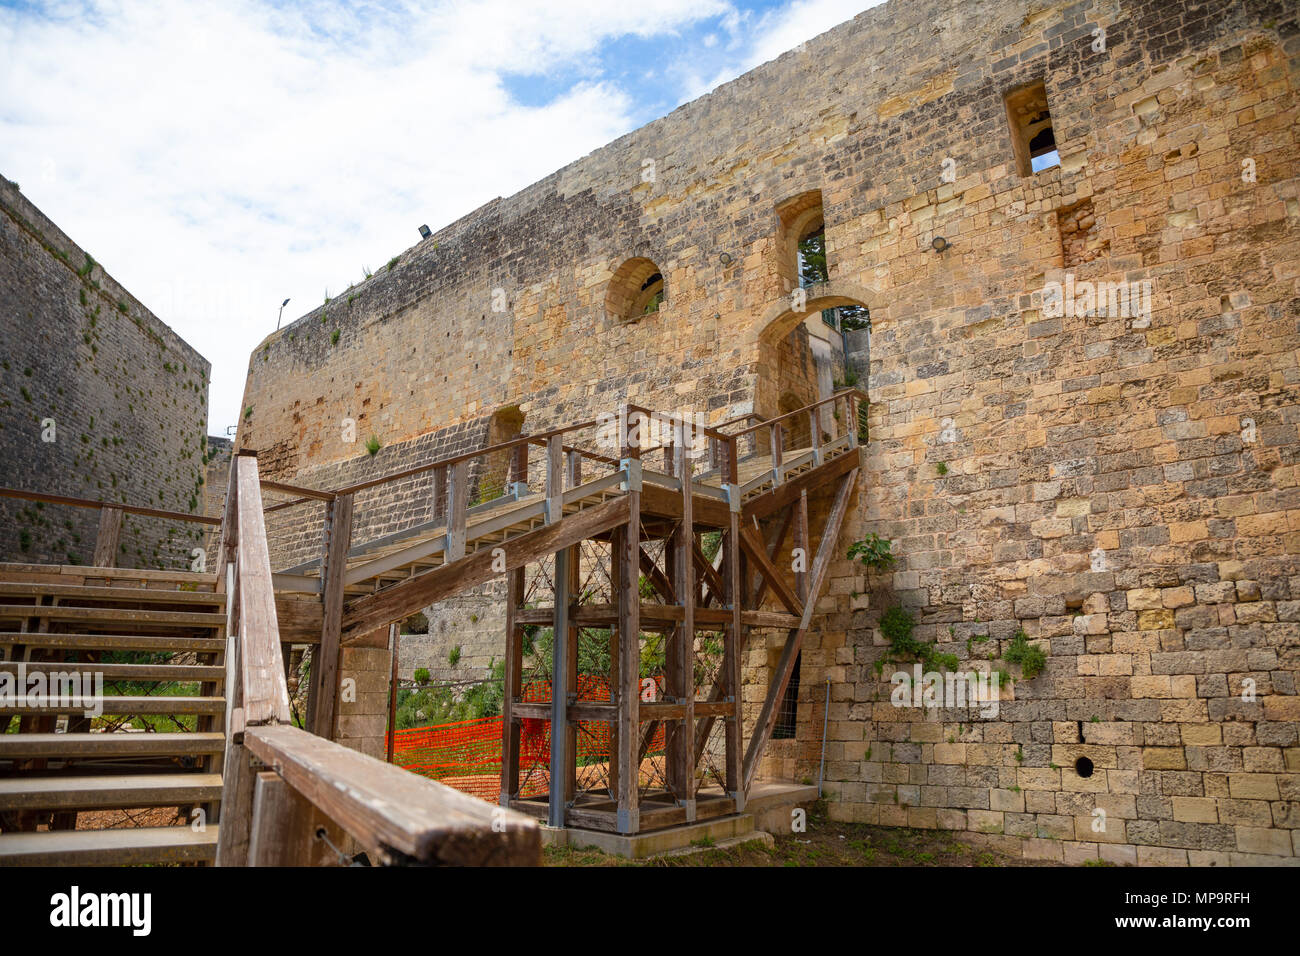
x=1030 y=657
x=453 y=656
x=873 y=551
x=422 y=675
x=897 y=625
x=372 y=445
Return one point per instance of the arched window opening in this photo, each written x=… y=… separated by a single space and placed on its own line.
x=636 y=290
x=812 y=256
x=651 y=297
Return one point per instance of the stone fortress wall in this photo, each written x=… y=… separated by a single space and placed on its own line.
x=1119 y=484
x=98 y=399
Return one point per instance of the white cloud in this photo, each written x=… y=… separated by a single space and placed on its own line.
x=217 y=158
x=758 y=39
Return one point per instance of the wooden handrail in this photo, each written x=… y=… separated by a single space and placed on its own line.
x=397 y=816
x=842 y=393
x=96 y=503
x=468 y=456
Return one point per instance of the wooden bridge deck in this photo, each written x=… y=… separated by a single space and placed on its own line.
x=383 y=562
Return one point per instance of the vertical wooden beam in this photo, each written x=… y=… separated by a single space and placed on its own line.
x=237 y=777
x=629 y=651
x=325 y=670
x=616 y=546
x=785 y=667
x=283 y=831
x=513 y=688
x=559 y=691
x=571 y=680
x=106 y=541
x=395 y=636
x=778 y=450
x=627 y=415
x=731 y=660
x=440 y=491
x=554 y=478
x=457 y=503
x=683 y=754
x=800 y=509
x=519 y=464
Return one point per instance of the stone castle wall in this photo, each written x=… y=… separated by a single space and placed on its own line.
x=98 y=399
x=1120 y=487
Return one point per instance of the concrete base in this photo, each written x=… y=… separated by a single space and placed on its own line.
x=769 y=808
x=772 y=804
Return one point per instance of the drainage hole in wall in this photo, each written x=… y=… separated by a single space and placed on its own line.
x=1083 y=767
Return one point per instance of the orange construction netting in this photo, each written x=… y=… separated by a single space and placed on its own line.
x=466 y=754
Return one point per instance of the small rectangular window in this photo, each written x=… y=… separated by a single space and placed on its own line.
x=1032 y=138
x=787 y=714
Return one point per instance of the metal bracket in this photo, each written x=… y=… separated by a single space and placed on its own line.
x=631 y=468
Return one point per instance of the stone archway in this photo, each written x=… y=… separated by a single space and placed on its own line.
x=787 y=363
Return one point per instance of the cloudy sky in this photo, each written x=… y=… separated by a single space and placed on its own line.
x=218 y=157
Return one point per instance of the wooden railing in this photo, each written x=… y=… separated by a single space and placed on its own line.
x=290 y=797
x=110 y=519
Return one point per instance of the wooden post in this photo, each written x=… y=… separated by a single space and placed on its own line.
x=395 y=634
x=554 y=478
x=513 y=688
x=682 y=755
x=615 y=656
x=559 y=691
x=785 y=666
x=629 y=653
x=323 y=706
x=778 y=449
x=457 y=503
x=110 y=531
x=571 y=680
x=801 y=542
x=440 y=491
x=732 y=637
x=519 y=464
x=628 y=447
x=283 y=831
x=731 y=661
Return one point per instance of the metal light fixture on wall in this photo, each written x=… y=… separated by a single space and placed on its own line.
x=281 y=315
x=940 y=244
x=725 y=258
x=425 y=232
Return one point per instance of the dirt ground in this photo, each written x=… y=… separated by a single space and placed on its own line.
x=826 y=843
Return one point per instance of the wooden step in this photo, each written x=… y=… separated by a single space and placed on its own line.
x=174 y=618
x=109 y=791
x=76 y=595
x=120 y=744
x=80 y=573
x=123 y=847
x=115 y=705
x=154 y=643
x=128 y=672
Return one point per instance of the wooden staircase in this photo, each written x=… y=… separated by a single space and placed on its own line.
x=78 y=773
